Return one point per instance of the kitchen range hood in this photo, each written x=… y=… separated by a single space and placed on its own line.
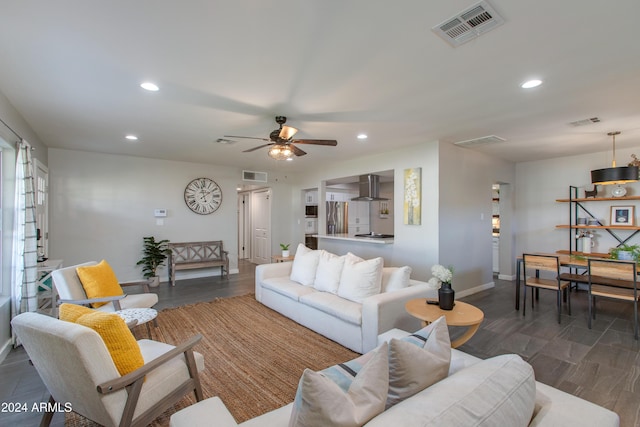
x=369 y=189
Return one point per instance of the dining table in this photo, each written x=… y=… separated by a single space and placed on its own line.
x=571 y=260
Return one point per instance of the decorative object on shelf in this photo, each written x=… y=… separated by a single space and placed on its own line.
x=412 y=196
x=203 y=196
x=635 y=162
x=625 y=252
x=622 y=215
x=285 y=249
x=585 y=241
x=614 y=175
x=154 y=255
x=442 y=277
x=619 y=191
x=591 y=193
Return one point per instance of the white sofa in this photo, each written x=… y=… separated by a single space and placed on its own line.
x=351 y=324
x=467 y=393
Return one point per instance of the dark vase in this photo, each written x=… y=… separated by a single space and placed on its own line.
x=446 y=296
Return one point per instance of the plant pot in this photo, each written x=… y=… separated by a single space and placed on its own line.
x=154 y=281
x=285 y=254
x=446 y=296
x=626 y=255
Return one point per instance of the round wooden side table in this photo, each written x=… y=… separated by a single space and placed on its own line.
x=463 y=314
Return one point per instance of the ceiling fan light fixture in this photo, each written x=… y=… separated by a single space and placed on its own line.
x=287 y=132
x=614 y=175
x=281 y=152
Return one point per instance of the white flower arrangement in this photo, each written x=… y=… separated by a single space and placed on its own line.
x=441 y=275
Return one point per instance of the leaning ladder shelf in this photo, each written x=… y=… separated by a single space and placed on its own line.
x=577 y=204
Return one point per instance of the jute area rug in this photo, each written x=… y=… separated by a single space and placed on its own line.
x=254 y=356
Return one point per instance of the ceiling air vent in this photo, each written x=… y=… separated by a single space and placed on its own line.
x=585 y=122
x=468 y=24
x=254 y=176
x=491 y=139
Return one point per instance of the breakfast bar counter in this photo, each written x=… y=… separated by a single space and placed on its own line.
x=352 y=238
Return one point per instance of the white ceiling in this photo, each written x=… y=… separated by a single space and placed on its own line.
x=335 y=68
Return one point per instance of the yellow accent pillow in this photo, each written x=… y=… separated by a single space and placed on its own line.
x=72 y=312
x=99 y=281
x=118 y=338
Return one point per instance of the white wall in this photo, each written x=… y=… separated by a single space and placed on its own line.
x=465 y=210
x=540 y=183
x=101 y=206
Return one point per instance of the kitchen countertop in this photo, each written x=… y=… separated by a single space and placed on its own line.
x=351 y=238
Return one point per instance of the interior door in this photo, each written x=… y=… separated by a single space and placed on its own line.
x=42 y=210
x=244 y=225
x=261 y=221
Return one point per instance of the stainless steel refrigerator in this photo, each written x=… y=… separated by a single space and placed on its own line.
x=337 y=217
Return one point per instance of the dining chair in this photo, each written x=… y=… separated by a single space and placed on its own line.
x=622 y=284
x=533 y=264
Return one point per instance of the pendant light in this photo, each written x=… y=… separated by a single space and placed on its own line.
x=614 y=175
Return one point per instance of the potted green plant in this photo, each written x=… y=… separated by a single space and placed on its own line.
x=626 y=252
x=154 y=255
x=285 y=249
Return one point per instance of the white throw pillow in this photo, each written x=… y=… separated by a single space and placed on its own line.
x=304 y=265
x=329 y=272
x=360 y=279
x=418 y=361
x=394 y=278
x=320 y=401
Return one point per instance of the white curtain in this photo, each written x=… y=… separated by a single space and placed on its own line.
x=25 y=257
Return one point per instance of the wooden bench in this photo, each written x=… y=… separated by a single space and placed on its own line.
x=584 y=279
x=190 y=255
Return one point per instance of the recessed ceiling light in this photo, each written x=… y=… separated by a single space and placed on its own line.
x=290 y=159
x=131 y=137
x=150 y=86
x=362 y=136
x=531 y=84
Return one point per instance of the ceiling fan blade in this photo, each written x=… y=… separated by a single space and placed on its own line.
x=246 y=137
x=287 y=132
x=297 y=151
x=257 y=148
x=331 y=142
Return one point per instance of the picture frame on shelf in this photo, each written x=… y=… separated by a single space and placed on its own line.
x=622 y=215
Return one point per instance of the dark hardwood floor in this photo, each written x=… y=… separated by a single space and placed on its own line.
x=601 y=365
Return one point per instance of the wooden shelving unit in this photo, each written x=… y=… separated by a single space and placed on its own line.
x=577 y=205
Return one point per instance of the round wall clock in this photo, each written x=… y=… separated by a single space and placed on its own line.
x=203 y=196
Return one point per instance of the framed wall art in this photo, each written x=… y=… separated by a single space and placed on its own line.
x=622 y=215
x=413 y=196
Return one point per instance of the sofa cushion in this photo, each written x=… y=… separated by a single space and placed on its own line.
x=99 y=281
x=328 y=272
x=304 y=265
x=360 y=279
x=320 y=401
x=500 y=391
x=418 y=361
x=394 y=278
x=334 y=305
x=287 y=287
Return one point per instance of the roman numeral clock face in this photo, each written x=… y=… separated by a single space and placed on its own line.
x=203 y=196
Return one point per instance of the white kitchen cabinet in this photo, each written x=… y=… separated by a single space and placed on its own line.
x=359 y=218
x=311 y=197
x=310 y=225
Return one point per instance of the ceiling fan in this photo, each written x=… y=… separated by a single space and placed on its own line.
x=282 y=143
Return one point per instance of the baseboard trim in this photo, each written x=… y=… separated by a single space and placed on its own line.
x=508 y=277
x=475 y=290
